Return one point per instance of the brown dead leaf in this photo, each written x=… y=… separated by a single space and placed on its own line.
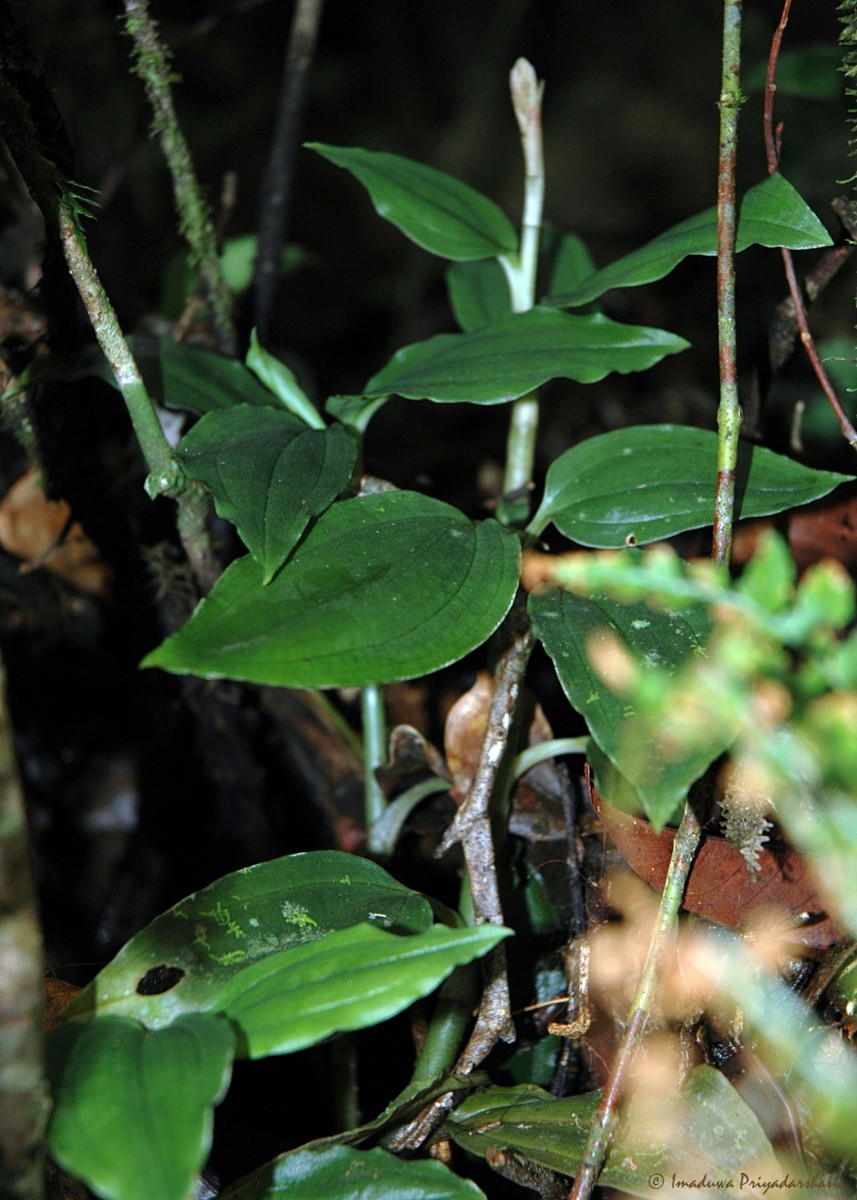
x=464 y=732
x=58 y=994
x=41 y=533
x=720 y=888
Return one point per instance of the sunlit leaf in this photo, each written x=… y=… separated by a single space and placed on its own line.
x=267 y=478
x=384 y=587
x=433 y=209
x=133 y=1107
x=511 y=357
x=652 y=481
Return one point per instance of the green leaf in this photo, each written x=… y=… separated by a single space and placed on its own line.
x=267 y=478
x=439 y=213
x=355 y=412
x=713 y=1134
x=519 y=353
x=339 y=1173
x=772 y=214
x=200 y=381
x=179 y=962
x=570 y=627
x=812 y=72
x=281 y=381
x=383 y=587
x=132 y=1107
x=347 y=980
x=653 y=481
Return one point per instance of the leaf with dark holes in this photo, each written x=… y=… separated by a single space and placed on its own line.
x=159 y=979
x=720 y=887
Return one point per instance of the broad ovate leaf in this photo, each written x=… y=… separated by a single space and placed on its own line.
x=648 y=482
x=439 y=213
x=201 y=381
x=384 y=587
x=133 y=1107
x=512 y=356
x=340 y=1173
x=347 y=980
x=184 y=958
x=266 y=477
x=771 y=214
x=579 y=634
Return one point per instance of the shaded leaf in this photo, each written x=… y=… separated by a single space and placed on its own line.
x=439 y=213
x=772 y=214
x=714 y=1134
x=267 y=478
x=652 y=481
x=296 y=998
x=720 y=888
x=511 y=357
x=384 y=587
x=339 y=1173
x=355 y=412
x=200 y=381
x=133 y=1107
x=239 y=919
x=569 y=627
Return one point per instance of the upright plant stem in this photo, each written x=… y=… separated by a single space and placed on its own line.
x=689 y=833
x=277 y=181
x=729 y=411
x=374 y=750
x=152 y=64
x=521 y=274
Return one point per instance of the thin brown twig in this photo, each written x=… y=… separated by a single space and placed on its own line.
x=772 y=149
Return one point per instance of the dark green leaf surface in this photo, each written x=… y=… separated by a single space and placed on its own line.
x=653 y=481
x=384 y=587
x=519 y=353
x=201 y=381
x=439 y=213
x=714 y=1134
x=772 y=214
x=347 y=980
x=568 y=626
x=239 y=919
x=267 y=478
x=132 y=1115
x=339 y=1173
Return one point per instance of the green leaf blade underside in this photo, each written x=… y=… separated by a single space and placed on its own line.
x=568 y=627
x=186 y=955
x=200 y=381
x=267 y=478
x=517 y=354
x=340 y=1173
x=385 y=587
x=133 y=1107
x=714 y=1133
x=652 y=481
x=438 y=212
x=347 y=980
x=772 y=214
x=282 y=383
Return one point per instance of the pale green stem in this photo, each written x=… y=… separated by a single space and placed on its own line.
x=533 y=755
x=374 y=750
x=521 y=270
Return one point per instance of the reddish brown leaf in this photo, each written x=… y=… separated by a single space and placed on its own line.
x=720 y=887
x=825 y=530
x=465 y=730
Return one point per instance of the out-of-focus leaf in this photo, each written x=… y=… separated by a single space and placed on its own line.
x=433 y=209
x=266 y=478
x=653 y=481
x=387 y=586
x=132 y=1106
x=182 y=959
x=812 y=72
x=511 y=357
